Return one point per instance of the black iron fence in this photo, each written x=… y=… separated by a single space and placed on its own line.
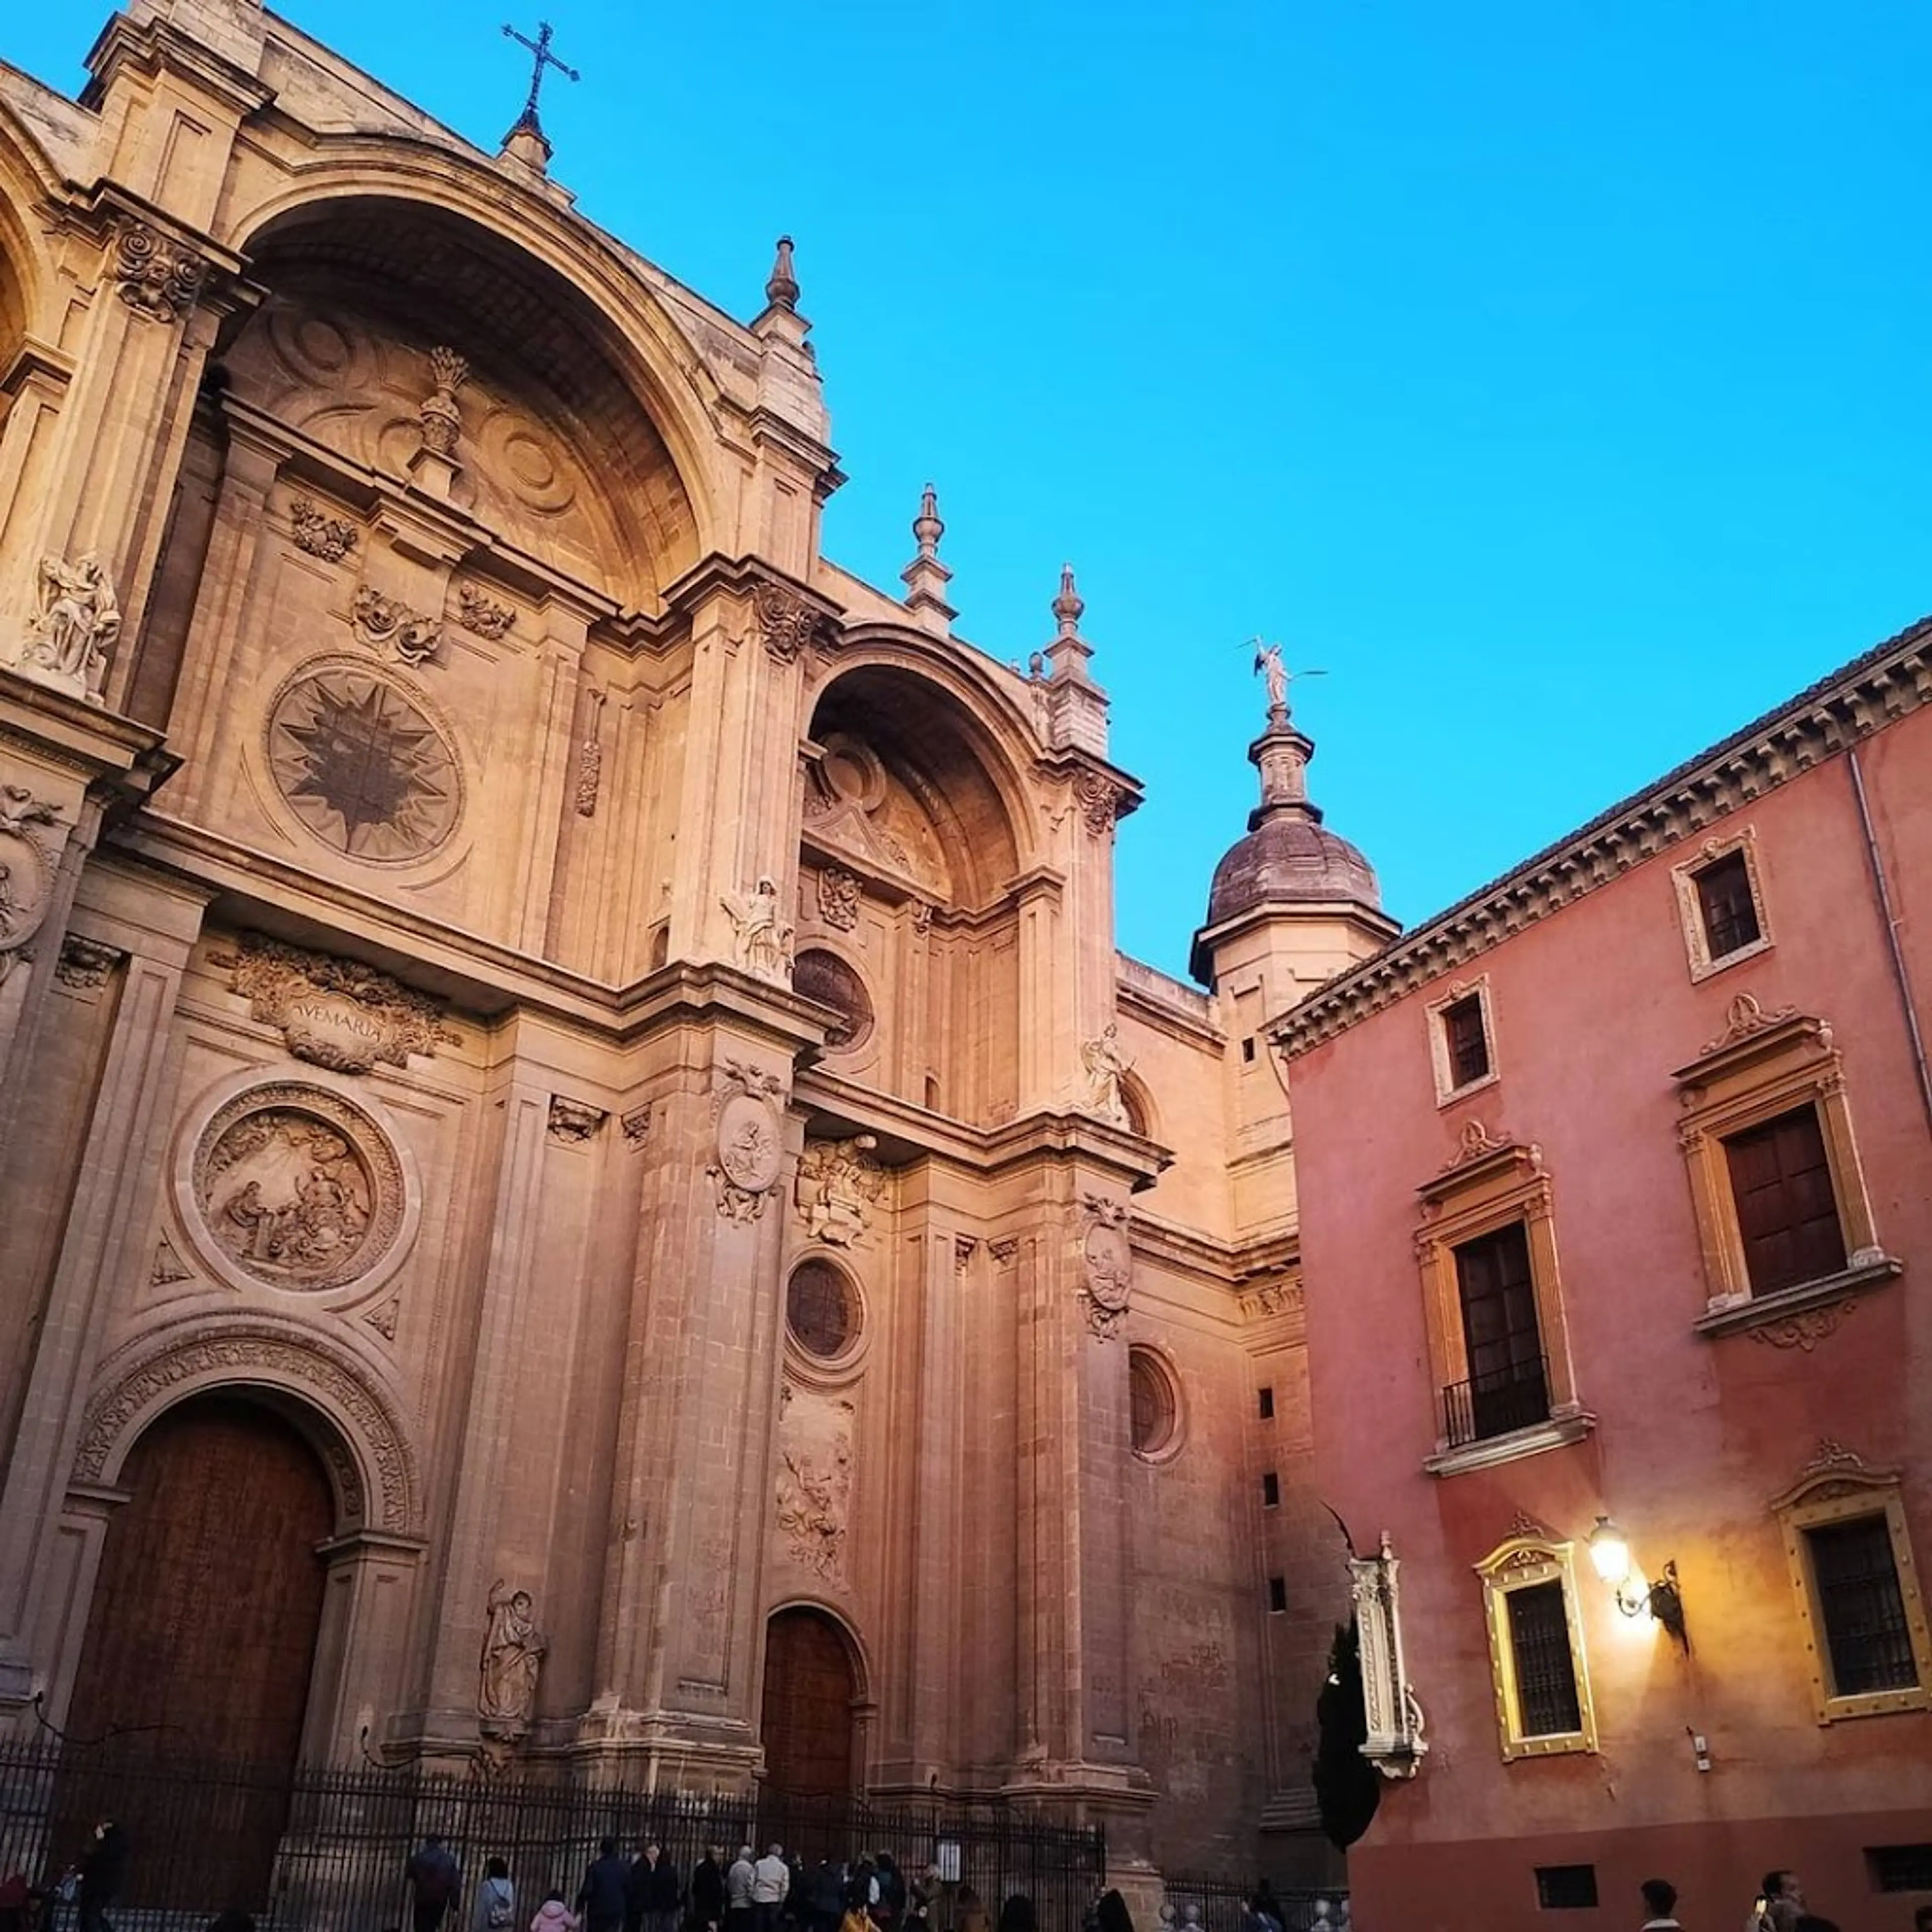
x=323 y=1849
x=1220 y=1904
x=1513 y=1397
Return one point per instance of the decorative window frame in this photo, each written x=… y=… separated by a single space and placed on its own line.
x=1523 y=1561
x=826 y=1371
x=1447 y=1091
x=1764 y=1064
x=1836 y=1487
x=1488 y=1183
x=1690 y=911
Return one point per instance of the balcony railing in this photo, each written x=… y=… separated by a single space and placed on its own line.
x=1495 y=1404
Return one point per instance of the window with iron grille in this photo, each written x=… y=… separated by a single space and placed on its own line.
x=1545 y=1671
x=1867 y=1633
x=1900 y=1867
x=1466 y=1039
x=1787 y=1214
x=1726 y=905
x=1507 y=1386
x=1566 y=1888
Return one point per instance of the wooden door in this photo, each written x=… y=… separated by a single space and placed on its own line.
x=808 y=1697
x=201 y=1635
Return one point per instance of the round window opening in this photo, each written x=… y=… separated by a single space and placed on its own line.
x=1154 y=1404
x=825 y=977
x=822 y=1310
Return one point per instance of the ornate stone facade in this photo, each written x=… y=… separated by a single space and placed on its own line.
x=611 y=1031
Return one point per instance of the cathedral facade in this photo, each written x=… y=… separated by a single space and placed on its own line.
x=585 y=1184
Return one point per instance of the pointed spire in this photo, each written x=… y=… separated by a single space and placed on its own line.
x=781 y=285
x=925 y=577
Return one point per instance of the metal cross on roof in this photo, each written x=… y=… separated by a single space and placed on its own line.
x=543 y=58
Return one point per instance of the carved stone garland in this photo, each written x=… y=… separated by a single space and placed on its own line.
x=385 y=622
x=327 y=537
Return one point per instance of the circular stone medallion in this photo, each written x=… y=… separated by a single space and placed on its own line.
x=363 y=766
x=297 y=1187
x=749 y=1150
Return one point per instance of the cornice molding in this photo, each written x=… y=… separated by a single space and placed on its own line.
x=1887 y=684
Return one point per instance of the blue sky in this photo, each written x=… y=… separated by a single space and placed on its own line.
x=1551 y=375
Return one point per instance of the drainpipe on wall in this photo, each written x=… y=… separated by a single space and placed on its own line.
x=1898 y=972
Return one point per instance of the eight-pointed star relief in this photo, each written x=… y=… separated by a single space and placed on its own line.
x=362 y=767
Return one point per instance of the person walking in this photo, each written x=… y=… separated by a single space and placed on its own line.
x=495 y=1909
x=103 y=1871
x=601 y=1898
x=553 y=1916
x=707 y=1891
x=771 y=1880
x=740 y=1914
x=1660 y=1900
x=432 y=1878
x=663 y=1895
x=1783 y=1903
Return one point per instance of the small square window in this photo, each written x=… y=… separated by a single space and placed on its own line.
x=1467 y=1039
x=1720 y=904
x=1900 y=1867
x=1727 y=905
x=1267 y=1404
x=1462 y=1038
x=1867 y=1634
x=1248 y=1049
x=1567 y=1887
x=1277 y=1594
x=1787 y=1214
x=1270 y=1491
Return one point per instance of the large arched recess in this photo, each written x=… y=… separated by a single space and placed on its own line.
x=952 y=741
x=26 y=271
x=544 y=288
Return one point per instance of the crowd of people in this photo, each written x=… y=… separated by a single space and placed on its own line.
x=749 y=1893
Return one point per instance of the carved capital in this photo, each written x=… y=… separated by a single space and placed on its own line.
x=157 y=277
x=84 y=964
x=1099 y=799
x=574 y=1122
x=788 y=624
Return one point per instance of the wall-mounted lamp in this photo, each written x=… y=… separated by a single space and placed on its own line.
x=1610 y=1554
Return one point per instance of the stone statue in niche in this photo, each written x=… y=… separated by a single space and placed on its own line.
x=1106 y=1067
x=762 y=933
x=287 y=1197
x=76 y=618
x=838 y=1183
x=513 y=1654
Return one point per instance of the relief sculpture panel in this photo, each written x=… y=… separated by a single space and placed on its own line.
x=815 y=1481
x=294 y=1187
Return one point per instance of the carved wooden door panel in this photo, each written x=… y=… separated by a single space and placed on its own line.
x=201 y=1634
x=809 y=1698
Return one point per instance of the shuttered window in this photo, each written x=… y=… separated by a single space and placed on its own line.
x=1787 y=1214
x=1726 y=906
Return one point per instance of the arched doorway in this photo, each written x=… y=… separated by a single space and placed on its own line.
x=810 y=1690
x=201 y=1633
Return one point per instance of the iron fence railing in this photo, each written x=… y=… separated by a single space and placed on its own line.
x=322 y=1849
x=1513 y=1397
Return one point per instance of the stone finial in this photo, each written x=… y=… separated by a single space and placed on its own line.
x=1067 y=607
x=925 y=577
x=1067 y=655
x=782 y=284
x=926 y=526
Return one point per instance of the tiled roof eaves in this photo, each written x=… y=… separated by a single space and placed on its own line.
x=1887 y=683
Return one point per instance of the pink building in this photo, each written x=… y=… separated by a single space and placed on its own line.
x=1615 y=1189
